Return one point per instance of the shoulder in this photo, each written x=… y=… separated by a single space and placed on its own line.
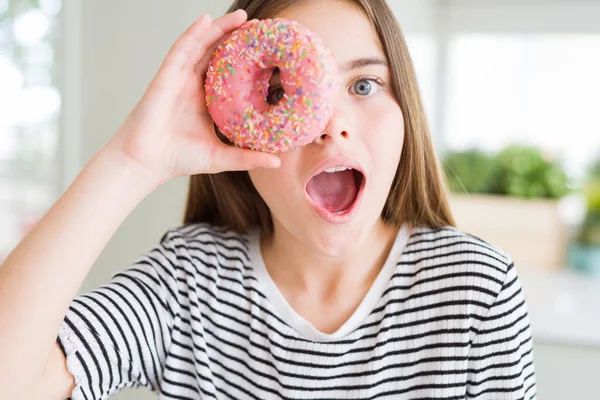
x=458 y=258
x=203 y=235
x=454 y=244
x=200 y=243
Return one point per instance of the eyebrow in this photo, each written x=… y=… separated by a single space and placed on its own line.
x=363 y=62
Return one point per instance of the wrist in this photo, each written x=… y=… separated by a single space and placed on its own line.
x=129 y=166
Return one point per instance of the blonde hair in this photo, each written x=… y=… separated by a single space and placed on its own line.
x=418 y=194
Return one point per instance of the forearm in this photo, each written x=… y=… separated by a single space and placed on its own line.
x=44 y=272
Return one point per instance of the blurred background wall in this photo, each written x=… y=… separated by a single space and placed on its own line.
x=511 y=89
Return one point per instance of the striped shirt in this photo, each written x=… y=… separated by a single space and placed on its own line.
x=199 y=317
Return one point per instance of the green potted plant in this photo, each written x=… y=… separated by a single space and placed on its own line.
x=511 y=199
x=469 y=171
x=584 y=252
x=523 y=171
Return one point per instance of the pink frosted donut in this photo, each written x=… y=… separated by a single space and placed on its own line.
x=237 y=85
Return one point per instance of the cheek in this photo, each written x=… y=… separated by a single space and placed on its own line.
x=386 y=135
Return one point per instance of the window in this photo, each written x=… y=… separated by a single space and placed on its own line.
x=542 y=89
x=423 y=52
x=29 y=116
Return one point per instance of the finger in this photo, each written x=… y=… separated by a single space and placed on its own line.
x=220 y=29
x=180 y=50
x=228 y=158
x=191 y=47
x=202 y=66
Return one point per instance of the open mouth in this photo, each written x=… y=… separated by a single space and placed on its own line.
x=335 y=190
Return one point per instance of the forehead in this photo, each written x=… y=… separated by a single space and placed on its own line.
x=341 y=25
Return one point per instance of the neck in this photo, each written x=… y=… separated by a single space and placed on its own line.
x=294 y=266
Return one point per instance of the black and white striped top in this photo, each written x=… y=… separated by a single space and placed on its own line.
x=199 y=317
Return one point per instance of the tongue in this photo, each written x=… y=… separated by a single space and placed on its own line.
x=333 y=191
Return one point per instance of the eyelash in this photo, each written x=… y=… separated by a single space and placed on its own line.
x=373 y=78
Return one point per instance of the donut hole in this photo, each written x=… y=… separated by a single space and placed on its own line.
x=275 y=92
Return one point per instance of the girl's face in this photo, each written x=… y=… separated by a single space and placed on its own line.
x=334 y=212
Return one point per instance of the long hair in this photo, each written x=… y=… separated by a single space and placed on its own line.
x=418 y=194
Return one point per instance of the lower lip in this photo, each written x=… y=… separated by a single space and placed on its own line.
x=344 y=217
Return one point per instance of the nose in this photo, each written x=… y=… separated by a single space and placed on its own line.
x=338 y=128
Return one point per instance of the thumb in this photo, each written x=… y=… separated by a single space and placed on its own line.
x=229 y=158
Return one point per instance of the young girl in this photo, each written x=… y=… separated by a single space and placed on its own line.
x=262 y=293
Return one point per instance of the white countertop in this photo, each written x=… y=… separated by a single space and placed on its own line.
x=564 y=306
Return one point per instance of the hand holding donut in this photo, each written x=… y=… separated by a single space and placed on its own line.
x=170 y=132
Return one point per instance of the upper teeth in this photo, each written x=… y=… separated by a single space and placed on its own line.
x=336 y=169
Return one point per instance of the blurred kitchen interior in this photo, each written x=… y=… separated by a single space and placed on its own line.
x=512 y=93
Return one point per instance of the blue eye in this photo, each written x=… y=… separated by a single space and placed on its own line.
x=366 y=87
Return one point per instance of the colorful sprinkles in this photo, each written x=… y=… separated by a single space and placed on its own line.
x=237 y=84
